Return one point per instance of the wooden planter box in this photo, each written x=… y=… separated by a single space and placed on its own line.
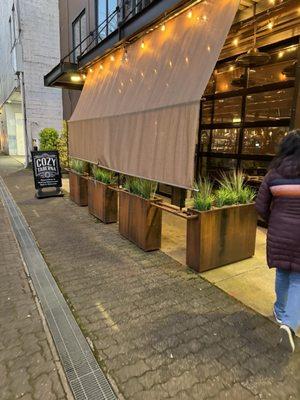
x=221 y=236
x=78 y=188
x=102 y=201
x=140 y=221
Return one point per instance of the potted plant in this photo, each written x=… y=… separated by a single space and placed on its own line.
x=139 y=220
x=223 y=230
x=78 y=183
x=102 y=200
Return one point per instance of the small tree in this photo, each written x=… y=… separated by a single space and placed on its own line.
x=62 y=146
x=48 y=139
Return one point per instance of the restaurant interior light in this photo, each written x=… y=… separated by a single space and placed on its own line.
x=235 y=42
x=190 y=14
x=163 y=27
x=143 y=45
x=91 y=69
x=112 y=58
x=75 y=78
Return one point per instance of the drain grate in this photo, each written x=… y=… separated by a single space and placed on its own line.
x=84 y=375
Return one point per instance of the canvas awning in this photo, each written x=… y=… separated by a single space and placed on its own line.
x=138 y=113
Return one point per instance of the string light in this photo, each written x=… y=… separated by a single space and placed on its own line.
x=208 y=48
x=125 y=56
x=163 y=27
x=235 y=42
x=83 y=76
x=170 y=64
x=280 y=54
x=231 y=68
x=91 y=69
x=75 y=78
x=187 y=60
x=270 y=25
x=143 y=45
x=155 y=71
x=142 y=74
x=204 y=17
x=112 y=58
x=101 y=67
x=190 y=14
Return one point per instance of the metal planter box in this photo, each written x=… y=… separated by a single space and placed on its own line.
x=140 y=221
x=221 y=236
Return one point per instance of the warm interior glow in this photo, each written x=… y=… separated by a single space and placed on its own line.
x=75 y=78
x=112 y=58
x=190 y=14
x=91 y=69
x=163 y=27
x=270 y=25
x=143 y=45
x=235 y=42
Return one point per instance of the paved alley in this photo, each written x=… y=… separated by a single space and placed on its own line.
x=158 y=329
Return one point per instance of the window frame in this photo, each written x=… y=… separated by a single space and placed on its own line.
x=78 y=19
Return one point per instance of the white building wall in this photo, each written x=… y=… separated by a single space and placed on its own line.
x=35 y=53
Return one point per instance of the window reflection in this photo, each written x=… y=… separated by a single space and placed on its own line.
x=224 y=140
x=228 y=110
x=207 y=108
x=269 y=105
x=263 y=140
x=214 y=167
x=230 y=78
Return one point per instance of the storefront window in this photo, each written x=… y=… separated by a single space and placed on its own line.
x=228 y=110
x=214 y=167
x=276 y=105
x=224 y=140
x=263 y=140
x=205 y=135
x=229 y=78
x=207 y=109
x=280 y=68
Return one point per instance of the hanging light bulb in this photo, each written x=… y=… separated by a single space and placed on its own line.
x=125 y=56
x=190 y=14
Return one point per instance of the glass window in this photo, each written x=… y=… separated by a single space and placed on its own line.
x=254 y=171
x=79 y=34
x=214 y=166
x=228 y=110
x=229 y=78
x=276 y=104
x=263 y=140
x=207 y=108
x=205 y=135
x=224 y=140
x=281 y=67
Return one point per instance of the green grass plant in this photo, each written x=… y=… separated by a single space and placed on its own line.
x=104 y=176
x=203 y=195
x=77 y=165
x=141 y=187
x=233 y=190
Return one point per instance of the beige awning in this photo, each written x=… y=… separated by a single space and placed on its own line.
x=138 y=113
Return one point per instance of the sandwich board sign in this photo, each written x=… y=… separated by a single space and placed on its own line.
x=47 y=173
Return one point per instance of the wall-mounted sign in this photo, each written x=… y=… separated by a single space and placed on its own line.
x=46 y=172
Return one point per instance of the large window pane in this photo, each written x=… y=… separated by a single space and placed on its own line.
x=269 y=105
x=280 y=68
x=224 y=140
x=205 y=135
x=228 y=110
x=263 y=140
x=214 y=167
x=229 y=78
x=207 y=109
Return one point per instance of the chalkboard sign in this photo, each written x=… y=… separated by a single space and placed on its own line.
x=46 y=172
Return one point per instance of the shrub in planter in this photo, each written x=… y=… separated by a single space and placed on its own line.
x=102 y=200
x=139 y=220
x=223 y=229
x=48 y=139
x=78 y=183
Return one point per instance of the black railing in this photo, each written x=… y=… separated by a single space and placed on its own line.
x=120 y=15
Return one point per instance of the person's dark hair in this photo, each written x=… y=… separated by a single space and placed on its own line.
x=288 y=148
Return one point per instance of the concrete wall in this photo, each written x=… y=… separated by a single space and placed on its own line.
x=24 y=64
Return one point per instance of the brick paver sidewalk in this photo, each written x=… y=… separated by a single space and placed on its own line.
x=27 y=368
x=159 y=330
